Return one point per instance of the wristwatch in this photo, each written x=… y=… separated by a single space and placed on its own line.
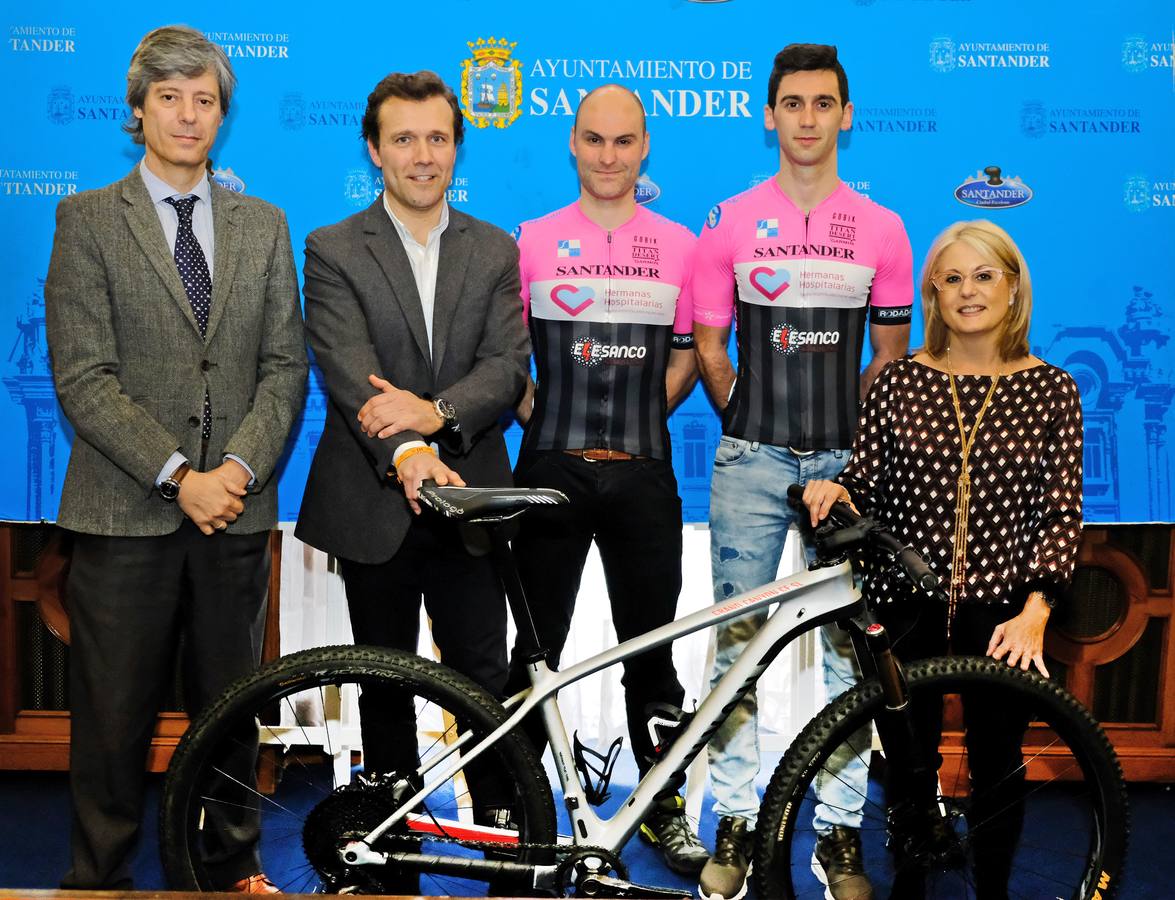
x=169 y=487
x=448 y=414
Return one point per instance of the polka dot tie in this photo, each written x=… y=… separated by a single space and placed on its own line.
x=193 y=269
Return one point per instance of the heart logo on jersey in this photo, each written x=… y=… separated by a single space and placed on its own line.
x=571 y=299
x=769 y=282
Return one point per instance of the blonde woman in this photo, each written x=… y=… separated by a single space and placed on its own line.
x=970 y=451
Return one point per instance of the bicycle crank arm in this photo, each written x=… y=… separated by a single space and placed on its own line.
x=357 y=853
x=607 y=886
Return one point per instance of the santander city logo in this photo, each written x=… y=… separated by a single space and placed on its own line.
x=770 y=282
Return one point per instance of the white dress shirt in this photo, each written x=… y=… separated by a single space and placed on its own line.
x=424 y=259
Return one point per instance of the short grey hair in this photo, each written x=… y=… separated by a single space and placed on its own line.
x=168 y=52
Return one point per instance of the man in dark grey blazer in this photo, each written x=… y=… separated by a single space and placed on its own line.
x=414 y=316
x=177 y=349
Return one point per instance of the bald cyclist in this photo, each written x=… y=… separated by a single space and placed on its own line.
x=605 y=290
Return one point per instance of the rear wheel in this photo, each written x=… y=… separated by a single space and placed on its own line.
x=296 y=799
x=1068 y=782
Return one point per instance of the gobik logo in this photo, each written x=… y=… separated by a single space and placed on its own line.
x=787 y=339
x=590 y=352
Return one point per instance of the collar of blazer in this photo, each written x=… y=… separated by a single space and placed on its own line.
x=143 y=221
x=385 y=245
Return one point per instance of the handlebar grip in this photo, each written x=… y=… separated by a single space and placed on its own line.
x=840 y=512
x=917 y=570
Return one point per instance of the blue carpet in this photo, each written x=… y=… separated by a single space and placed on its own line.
x=34 y=837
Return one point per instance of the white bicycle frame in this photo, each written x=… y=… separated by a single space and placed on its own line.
x=805 y=600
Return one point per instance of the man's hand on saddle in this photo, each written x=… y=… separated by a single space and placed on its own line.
x=394 y=410
x=418 y=468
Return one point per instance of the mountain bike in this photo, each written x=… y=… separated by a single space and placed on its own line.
x=422 y=828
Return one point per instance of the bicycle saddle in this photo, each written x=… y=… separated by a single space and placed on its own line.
x=467 y=504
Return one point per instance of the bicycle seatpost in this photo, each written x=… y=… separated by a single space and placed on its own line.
x=507 y=569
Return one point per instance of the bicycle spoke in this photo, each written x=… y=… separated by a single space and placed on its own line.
x=949 y=843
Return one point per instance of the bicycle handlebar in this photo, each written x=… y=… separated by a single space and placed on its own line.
x=856 y=529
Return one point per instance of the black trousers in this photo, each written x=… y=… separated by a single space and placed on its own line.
x=465 y=601
x=994 y=732
x=130 y=600
x=630 y=508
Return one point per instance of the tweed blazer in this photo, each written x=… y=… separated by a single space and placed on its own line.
x=131 y=368
x=363 y=317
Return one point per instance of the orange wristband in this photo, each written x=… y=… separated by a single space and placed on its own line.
x=412 y=451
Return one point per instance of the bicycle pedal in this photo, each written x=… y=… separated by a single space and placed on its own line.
x=607 y=886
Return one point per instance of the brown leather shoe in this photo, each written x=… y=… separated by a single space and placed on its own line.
x=254 y=884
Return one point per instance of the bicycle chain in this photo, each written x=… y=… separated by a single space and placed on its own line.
x=498 y=846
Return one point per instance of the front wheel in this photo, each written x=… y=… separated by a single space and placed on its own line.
x=1062 y=793
x=263 y=780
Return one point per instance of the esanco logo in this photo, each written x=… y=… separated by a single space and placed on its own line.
x=1140 y=194
x=1036 y=120
x=491 y=83
x=989 y=190
x=786 y=339
x=589 y=352
x=946 y=55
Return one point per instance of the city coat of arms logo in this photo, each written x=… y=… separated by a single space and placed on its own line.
x=491 y=83
x=60 y=106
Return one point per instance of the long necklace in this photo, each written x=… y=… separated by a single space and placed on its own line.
x=963 y=492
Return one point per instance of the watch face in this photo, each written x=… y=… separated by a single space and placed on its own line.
x=445 y=408
x=169 y=489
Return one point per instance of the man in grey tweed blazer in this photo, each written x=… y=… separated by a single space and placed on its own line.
x=414 y=317
x=177 y=350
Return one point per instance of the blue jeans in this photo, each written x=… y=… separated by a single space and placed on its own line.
x=749 y=519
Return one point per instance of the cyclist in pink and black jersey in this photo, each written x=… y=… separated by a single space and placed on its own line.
x=808 y=267
x=605 y=290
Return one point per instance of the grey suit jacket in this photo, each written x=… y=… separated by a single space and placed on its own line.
x=131 y=368
x=363 y=317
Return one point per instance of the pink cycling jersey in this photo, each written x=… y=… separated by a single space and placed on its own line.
x=802 y=286
x=604 y=308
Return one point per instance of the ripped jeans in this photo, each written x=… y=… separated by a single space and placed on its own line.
x=749 y=520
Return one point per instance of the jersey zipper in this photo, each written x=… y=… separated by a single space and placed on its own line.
x=801 y=369
x=609 y=379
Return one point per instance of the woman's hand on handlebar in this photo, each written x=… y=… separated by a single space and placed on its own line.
x=819 y=495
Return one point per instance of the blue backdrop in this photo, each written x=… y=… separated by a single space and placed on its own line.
x=1062 y=115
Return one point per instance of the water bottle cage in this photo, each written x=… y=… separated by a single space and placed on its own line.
x=665 y=724
x=596 y=773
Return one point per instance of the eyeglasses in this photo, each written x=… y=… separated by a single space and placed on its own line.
x=951 y=281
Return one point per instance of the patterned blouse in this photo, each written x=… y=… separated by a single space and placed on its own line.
x=1025 y=521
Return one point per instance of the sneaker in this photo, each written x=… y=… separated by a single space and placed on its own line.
x=254 y=884
x=667 y=828
x=725 y=875
x=837 y=862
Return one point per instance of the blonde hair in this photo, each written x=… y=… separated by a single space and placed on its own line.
x=997 y=246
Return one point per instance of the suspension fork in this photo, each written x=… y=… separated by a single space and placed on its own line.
x=905 y=757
